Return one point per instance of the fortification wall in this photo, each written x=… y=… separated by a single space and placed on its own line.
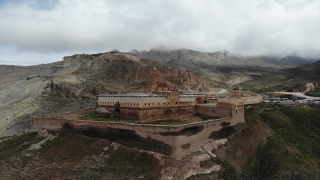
x=174 y=141
x=238 y=115
x=213 y=112
x=148 y=115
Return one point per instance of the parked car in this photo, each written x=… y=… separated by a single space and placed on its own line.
x=309 y=102
x=276 y=100
x=316 y=102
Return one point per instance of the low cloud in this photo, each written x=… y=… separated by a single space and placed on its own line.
x=50 y=28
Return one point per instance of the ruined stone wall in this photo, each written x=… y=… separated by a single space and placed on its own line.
x=174 y=141
x=148 y=115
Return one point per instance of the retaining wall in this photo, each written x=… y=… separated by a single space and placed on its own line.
x=148 y=115
x=214 y=112
x=174 y=141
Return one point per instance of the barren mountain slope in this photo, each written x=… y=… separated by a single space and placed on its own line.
x=286 y=79
x=222 y=69
x=73 y=84
x=192 y=59
x=308 y=71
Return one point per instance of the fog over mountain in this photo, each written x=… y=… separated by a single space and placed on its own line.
x=35 y=32
x=186 y=58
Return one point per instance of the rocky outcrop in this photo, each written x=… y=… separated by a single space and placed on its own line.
x=114 y=71
x=189 y=169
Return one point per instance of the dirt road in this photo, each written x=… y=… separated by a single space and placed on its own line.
x=299 y=94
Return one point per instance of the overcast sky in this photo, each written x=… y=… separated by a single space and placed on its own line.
x=43 y=31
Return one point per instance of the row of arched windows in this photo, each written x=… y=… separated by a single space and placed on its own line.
x=150 y=104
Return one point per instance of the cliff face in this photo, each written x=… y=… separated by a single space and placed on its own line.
x=118 y=71
x=73 y=84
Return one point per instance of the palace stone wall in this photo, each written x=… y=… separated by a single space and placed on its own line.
x=174 y=141
x=148 y=115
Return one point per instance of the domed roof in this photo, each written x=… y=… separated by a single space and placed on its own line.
x=165 y=84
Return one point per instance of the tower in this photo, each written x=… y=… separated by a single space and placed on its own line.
x=154 y=80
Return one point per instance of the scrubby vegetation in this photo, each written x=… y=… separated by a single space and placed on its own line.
x=16 y=144
x=71 y=156
x=279 y=142
x=292 y=149
x=272 y=83
x=95 y=116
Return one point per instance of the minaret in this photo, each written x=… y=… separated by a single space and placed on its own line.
x=154 y=80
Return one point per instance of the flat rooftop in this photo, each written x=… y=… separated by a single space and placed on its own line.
x=207 y=105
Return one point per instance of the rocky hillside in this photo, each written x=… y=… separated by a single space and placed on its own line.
x=73 y=84
x=286 y=79
x=217 y=60
x=309 y=72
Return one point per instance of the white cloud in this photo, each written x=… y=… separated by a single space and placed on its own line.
x=48 y=28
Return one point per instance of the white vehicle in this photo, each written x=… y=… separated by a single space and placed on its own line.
x=283 y=102
x=289 y=101
x=299 y=101
x=275 y=100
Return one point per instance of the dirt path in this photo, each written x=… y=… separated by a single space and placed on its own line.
x=299 y=94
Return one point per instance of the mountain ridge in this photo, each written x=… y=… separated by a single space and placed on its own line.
x=220 y=58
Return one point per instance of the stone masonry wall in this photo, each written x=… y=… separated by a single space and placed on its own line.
x=148 y=115
x=214 y=112
x=174 y=141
